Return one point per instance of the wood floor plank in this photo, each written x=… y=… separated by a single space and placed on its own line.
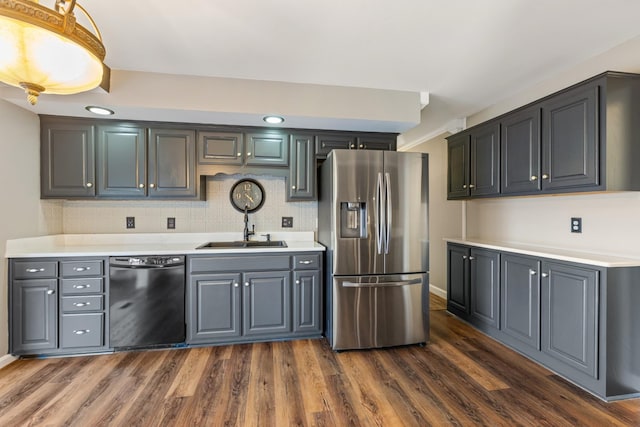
x=260 y=410
x=186 y=382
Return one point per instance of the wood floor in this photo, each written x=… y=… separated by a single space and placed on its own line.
x=460 y=378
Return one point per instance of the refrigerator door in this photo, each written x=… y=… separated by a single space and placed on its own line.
x=406 y=190
x=379 y=311
x=356 y=184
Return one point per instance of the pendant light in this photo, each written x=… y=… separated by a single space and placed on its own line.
x=45 y=50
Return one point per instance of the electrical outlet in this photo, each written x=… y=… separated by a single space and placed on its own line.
x=576 y=225
x=171 y=223
x=131 y=222
x=287 y=222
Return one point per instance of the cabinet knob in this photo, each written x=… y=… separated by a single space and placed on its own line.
x=246 y=284
x=464 y=257
x=89 y=185
x=352 y=146
x=471 y=258
x=249 y=153
x=472 y=186
x=297 y=282
x=545 y=274
x=545 y=176
x=141 y=185
x=235 y=285
x=293 y=187
x=239 y=155
x=464 y=186
x=533 y=177
x=152 y=186
x=51 y=292
x=361 y=146
x=532 y=272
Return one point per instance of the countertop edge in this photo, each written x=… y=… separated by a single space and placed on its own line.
x=569 y=255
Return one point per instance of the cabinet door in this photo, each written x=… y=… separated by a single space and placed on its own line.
x=520 y=151
x=213 y=307
x=302 y=170
x=267 y=303
x=220 y=148
x=570 y=139
x=484 y=284
x=569 y=311
x=67 y=160
x=520 y=299
x=485 y=160
x=376 y=143
x=306 y=302
x=269 y=148
x=457 y=280
x=172 y=163
x=326 y=143
x=458 y=166
x=121 y=161
x=34 y=309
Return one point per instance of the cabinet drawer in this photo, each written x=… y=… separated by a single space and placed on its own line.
x=256 y=262
x=34 y=269
x=90 y=285
x=82 y=330
x=306 y=262
x=81 y=268
x=82 y=303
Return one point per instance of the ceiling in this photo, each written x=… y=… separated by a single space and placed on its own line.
x=470 y=53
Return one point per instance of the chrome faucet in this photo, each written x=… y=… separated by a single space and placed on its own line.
x=248 y=233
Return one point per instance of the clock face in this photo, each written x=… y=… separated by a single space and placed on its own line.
x=247 y=193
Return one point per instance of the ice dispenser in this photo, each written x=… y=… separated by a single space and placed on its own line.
x=353 y=219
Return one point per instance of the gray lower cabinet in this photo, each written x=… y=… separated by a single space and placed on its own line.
x=575 y=319
x=245 y=298
x=302 y=168
x=58 y=306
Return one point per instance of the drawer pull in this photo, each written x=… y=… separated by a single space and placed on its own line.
x=81 y=304
x=81 y=269
x=305 y=262
x=81 y=331
x=34 y=270
x=81 y=286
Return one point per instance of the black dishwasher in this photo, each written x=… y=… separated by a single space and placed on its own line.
x=146 y=301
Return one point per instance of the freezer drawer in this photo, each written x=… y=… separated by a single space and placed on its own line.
x=379 y=311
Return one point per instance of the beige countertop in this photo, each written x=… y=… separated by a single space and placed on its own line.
x=149 y=244
x=571 y=255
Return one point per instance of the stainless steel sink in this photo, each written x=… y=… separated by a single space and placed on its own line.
x=242 y=244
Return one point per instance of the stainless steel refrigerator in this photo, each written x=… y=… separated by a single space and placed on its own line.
x=372 y=217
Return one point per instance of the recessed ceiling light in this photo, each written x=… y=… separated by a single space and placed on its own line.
x=99 y=110
x=274 y=120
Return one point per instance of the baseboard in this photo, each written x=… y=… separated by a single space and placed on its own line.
x=6 y=360
x=436 y=290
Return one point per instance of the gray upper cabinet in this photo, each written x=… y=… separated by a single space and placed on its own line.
x=570 y=139
x=326 y=143
x=458 y=166
x=34 y=316
x=67 y=159
x=172 y=164
x=484 y=286
x=220 y=148
x=520 y=151
x=302 y=168
x=386 y=143
x=569 y=316
x=267 y=148
x=520 y=300
x=121 y=161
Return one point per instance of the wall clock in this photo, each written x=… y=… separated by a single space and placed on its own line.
x=247 y=193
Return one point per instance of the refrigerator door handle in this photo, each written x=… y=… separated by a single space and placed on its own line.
x=387 y=185
x=380 y=214
x=382 y=284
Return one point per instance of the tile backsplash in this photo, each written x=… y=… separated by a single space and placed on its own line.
x=213 y=215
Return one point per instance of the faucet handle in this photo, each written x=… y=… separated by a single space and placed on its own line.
x=268 y=236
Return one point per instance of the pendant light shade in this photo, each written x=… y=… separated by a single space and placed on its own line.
x=44 y=50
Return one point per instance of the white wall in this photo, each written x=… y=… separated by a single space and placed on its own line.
x=445 y=217
x=214 y=214
x=22 y=213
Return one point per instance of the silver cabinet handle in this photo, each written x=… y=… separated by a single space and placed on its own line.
x=141 y=185
x=472 y=186
x=246 y=284
x=152 y=186
x=545 y=176
x=81 y=286
x=34 y=270
x=532 y=272
x=352 y=146
x=89 y=185
x=361 y=146
x=249 y=153
x=81 y=269
x=81 y=304
x=297 y=282
x=238 y=154
x=464 y=257
x=533 y=177
x=81 y=331
x=305 y=262
x=235 y=285
x=51 y=292
x=471 y=258
x=293 y=187
x=545 y=274
x=464 y=186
